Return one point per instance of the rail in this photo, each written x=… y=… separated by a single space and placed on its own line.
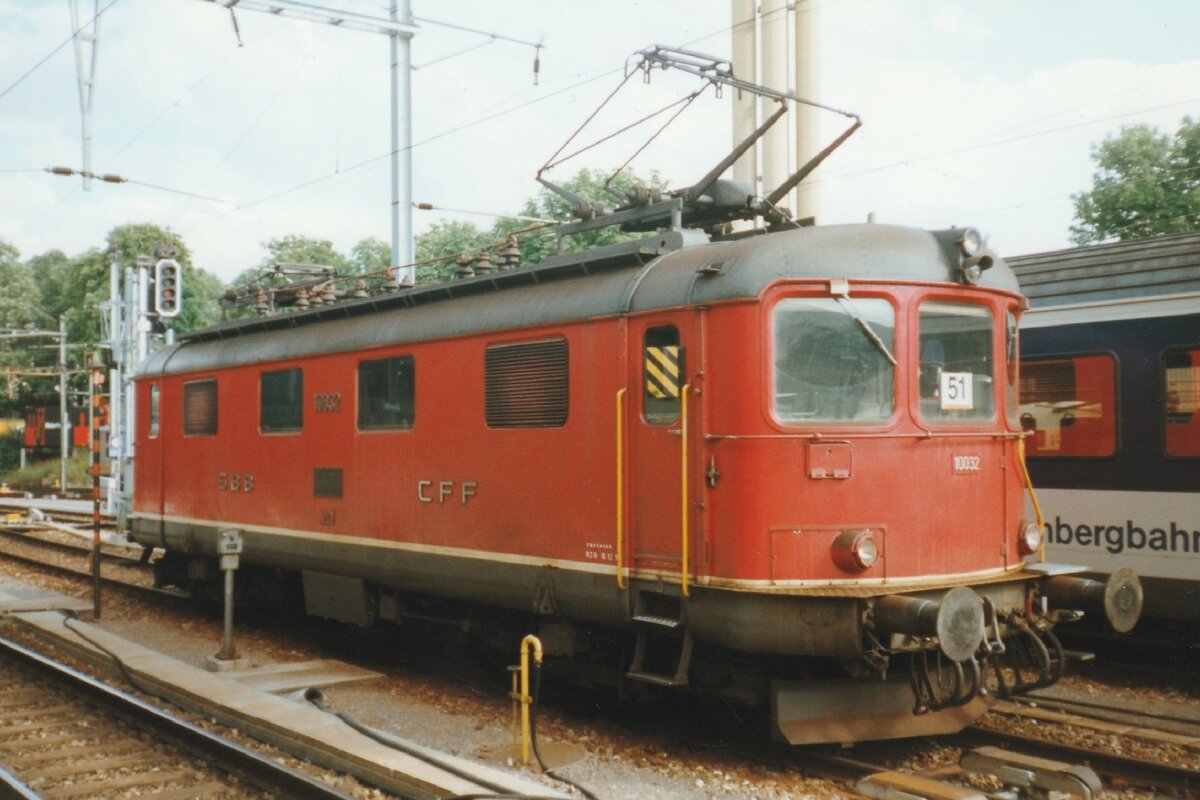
x=230 y=755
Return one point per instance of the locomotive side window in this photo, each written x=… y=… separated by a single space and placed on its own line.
x=154 y=401
x=662 y=374
x=833 y=359
x=1181 y=395
x=386 y=389
x=525 y=385
x=200 y=407
x=956 y=372
x=281 y=401
x=1069 y=405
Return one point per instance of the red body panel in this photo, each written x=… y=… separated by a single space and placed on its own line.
x=550 y=493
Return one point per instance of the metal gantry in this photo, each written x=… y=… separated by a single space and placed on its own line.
x=86 y=37
x=399 y=26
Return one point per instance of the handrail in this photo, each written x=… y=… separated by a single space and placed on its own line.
x=1037 y=509
x=620 y=486
x=683 y=516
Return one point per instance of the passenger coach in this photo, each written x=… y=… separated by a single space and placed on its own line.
x=1110 y=396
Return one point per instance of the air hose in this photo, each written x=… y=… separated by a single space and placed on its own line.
x=537 y=687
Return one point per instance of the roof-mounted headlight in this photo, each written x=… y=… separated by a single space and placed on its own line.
x=970 y=241
x=972 y=268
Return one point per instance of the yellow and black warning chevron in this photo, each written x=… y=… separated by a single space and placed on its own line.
x=662 y=371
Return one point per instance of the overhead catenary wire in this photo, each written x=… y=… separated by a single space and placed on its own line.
x=346 y=171
x=109 y=178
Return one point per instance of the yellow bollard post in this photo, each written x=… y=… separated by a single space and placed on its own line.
x=527 y=700
x=516 y=698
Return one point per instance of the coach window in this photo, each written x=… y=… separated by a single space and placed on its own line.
x=153 y=410
x=834 y=359
x=281 y=401
x=956 y=370
x=200 y=407
x=1069 y=406
x=1181 y=393
x=525 y=385
x=386 y=389
x=662 y=375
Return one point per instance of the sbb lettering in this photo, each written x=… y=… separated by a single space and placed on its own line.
x=440 y=491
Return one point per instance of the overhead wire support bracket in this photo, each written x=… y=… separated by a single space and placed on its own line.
x=719 y=71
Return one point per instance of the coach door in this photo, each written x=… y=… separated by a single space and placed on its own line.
x=662 y=405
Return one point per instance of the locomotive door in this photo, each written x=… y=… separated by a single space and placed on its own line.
x=664 y=357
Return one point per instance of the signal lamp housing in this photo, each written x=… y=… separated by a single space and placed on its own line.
x=168 y=287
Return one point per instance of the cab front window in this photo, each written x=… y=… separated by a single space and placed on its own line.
x=833 y=359
x=956 y=370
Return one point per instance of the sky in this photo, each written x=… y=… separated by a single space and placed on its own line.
x=976 y=112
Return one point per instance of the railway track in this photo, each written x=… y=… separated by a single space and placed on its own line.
x=74 y=561
x=1115 y=766
x=65 y=735
x=1123 y=768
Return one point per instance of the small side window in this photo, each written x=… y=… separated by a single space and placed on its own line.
x=1181 y=401
x=154 y=401
x=1069 y=405
x=281 y=401
x=662 y=375
x=200 y=407
x=386 y=394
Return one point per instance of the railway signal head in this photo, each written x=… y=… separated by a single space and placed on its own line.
x=168 y=287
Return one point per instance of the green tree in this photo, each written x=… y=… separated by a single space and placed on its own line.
x=296 y=249
x=20 y=297
x=1147 y=184
x=20 y=308
x=370 y=255
x=448 y=238
x=588 y=184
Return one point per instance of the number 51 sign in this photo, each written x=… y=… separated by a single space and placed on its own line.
x=957 y=391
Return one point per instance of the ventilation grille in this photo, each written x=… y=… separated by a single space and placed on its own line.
x=526 y=385
x=327 y=482
x=200 y=408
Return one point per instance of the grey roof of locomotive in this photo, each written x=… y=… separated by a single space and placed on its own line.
x=668 y=270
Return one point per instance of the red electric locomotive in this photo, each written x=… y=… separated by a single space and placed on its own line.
x=783 y=466
x=765 y=462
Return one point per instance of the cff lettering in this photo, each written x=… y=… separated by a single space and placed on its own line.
x=1117 y=539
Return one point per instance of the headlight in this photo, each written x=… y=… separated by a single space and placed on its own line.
x=973 y=267
x=1029 y=537
x=855 y=550
x=970 y=242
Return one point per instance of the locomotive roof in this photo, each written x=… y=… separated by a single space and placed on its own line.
x=670 y=269
x=1147 y=267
